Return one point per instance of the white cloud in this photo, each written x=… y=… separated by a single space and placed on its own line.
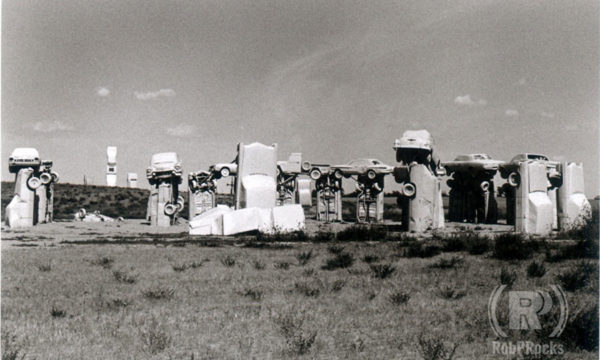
x=51 y=126
x=182 y=130
x=151 y=95
x=466 y=100
x=548 y=115
x=102 y=91
x=511 y=113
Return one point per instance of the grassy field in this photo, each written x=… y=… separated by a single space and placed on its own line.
x=323 y=297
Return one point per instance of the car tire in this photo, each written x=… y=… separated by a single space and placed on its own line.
x=224 y=172
x=180 y=203
x=409 y=190
x=371 y=174
x=45 y=178
x=170 y=209
x=34 y=182
x=338 y=174
x=305 y=166
x=55 y=177
x=315 y=174
x=484 y=186
x=514 y=179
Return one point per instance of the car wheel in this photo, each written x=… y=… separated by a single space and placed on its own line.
x=484 y=186
x=338 y=174
x=305 y=166
x=409 y=189
x=54 y=176
x=514 y=179
x=180 y=203
x=315 y=174
x=170 y=209
x=371 y=174
x=34 y=182
x=224 y=172
x=45 y=178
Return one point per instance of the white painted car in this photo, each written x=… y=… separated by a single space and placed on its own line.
x=509 y=171
x=23 y=157
x=473 y=162
x=224 y=169
x=163 y=165
x=293 y=165
x=369 y=167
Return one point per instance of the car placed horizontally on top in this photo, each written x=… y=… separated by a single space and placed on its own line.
x=164 y=165
x=510 y=172
x=473 y=162
x=224 y=169
x=293 y=165
x=23 y=157
x=369 y=167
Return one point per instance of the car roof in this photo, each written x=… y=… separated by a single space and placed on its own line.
x=25 y=151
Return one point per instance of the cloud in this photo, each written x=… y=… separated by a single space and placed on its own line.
x=151 y=95
x=466 y=100
x=102 y=91
x=51 y=126
x=548 y=115
x=182 y=130
x=511 y=113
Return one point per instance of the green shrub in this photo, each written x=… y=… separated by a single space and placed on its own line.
x=399 y=297
x=418 y=249
x=514 y=247
x=362 y=233
x=448 y=263
x=507 y=277
x=433 y=347
x=382 y=271
x=581 y=331
x=536 y=269
x=370 y=258
x=304 y=257
x=339 y=261
x=159 y=293
x=228 y=261
x=576 y=277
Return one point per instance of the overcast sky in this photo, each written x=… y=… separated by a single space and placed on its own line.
x=335 y=80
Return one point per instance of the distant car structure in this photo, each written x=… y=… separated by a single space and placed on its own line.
x=293 y=165
x=510 y=171
x=473 y=162
x=164 y=165
x=224 y=169
x=23 y=157
x=369 y=167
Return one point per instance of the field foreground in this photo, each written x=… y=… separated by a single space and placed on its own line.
x=119 y=291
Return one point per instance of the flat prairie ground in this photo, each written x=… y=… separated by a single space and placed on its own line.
x=119 y=291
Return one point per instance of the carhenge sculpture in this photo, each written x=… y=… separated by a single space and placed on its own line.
x=369 y=176
x=34 y=193
x=328 y=185
x=472 y=191
x=164 y=175
x=290 y=188
x=202 y=187
x=542 y=195
x=420 y=194
x=256 y=197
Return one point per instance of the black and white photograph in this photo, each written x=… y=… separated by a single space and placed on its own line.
x=299 y=179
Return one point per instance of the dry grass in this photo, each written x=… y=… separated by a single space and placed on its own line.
x=242 y=305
